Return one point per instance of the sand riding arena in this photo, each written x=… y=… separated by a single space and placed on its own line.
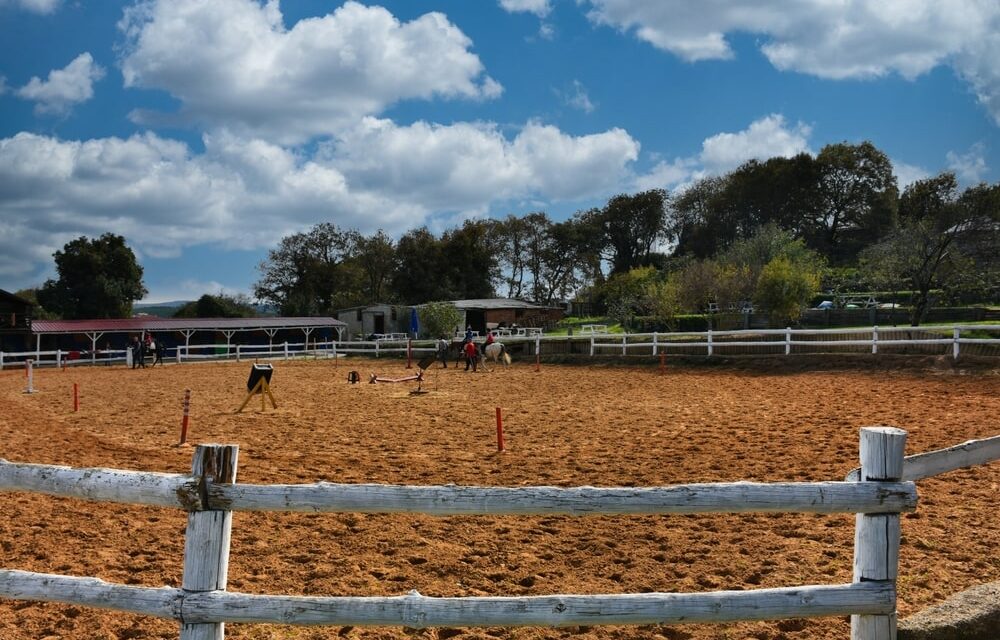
x=565 y=426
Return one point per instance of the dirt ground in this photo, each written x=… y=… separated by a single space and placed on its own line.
x=565 y=426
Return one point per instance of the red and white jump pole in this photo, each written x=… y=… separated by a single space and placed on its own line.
x=499 y=431
x=184 y=422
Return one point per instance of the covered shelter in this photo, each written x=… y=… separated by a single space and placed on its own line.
x=491 y=313
x=15 y=320
x=117 y=331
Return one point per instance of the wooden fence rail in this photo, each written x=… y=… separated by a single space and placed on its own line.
x=210 y=495
x=944 y=339
x=180 y=491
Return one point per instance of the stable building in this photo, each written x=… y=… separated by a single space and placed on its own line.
x=15 y=322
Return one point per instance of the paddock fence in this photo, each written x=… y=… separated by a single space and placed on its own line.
x=953 y=341
x=210 y=495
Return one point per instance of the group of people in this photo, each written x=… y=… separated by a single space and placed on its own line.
x=469 y=350
x=140 y=348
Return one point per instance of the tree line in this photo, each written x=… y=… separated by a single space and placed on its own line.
x=769 y=233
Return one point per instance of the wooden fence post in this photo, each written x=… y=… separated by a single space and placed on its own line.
x=954 y=349
x=709 y=342
x=655 y=349
x=206 y=543
x=591 y=346
x=876 y=535
x=788 y=340
x=875 y=339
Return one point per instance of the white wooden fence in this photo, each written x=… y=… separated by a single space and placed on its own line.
x=210 y=495
x=787 y=341
x=771 y=341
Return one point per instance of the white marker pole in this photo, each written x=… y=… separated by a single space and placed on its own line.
x=31 y=376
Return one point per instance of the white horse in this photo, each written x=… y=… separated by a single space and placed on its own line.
x=497 y=353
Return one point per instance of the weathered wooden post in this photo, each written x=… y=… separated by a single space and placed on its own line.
x=206 y=543
x=956 y=337
x=788 y=340
x=709 y=342
x=875 y=339
x=655 y=345
x=591 y=345
x=876 y=535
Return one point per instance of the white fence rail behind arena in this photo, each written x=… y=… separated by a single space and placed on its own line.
x=210 y=495
x=946 y=340
x=787 y=341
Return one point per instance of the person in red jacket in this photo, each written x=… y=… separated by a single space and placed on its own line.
x=471 y=355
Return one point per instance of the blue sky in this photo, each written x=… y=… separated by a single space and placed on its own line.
x=204 y=131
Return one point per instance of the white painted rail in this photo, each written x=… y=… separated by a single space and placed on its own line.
x=933 y=463
x=203 y=605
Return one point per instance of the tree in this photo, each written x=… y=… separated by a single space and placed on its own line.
x=97 y=279
x=631 y=227
x=218 y=306
x=439 y=318
x=38 y=312
x=375 y=255
x=469 y=260
x=858 y=198
x=784 y=289
x=941 y=239
x=311 y=273
x=417 y=277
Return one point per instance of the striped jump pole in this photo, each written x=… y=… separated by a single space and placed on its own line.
x=500 y=446
x=184 y=421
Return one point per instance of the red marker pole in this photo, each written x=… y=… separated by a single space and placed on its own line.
x=499 y=431
x=187 y=410
x=76 y=397
x=409 y=354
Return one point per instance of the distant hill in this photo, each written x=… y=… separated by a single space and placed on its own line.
x=168 y=309
x=159 y=309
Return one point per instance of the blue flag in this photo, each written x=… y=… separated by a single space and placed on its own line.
x=414 y=323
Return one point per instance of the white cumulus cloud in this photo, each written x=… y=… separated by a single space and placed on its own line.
x=248 y=192
x=969 y=167
x=64 y=87
x=768 y=137
x=540 y=8
x=829 y=39
x=35 y=6
x=234 y=62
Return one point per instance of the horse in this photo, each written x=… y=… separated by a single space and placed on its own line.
x=496 y=352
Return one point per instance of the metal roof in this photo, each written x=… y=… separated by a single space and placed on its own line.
x=497 y=303
x=153 y=324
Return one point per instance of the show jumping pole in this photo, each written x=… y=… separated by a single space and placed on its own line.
x=499 y=431
x=184 y=422
x=29 y=371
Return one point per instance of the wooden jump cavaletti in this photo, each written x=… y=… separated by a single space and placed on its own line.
x=210 y=495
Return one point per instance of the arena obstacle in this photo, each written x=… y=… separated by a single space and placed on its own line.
x=29 y=372
x=184 y=421
x=418 y=377
x=259 y=382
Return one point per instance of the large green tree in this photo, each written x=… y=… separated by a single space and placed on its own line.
x=375 y=256
x=98 y=278
x=218 y=306
x=942 y=239
x=631 y=228
x=858 y=194
x=312 y=273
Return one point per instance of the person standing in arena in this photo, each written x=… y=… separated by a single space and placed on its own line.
x=471 y=355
